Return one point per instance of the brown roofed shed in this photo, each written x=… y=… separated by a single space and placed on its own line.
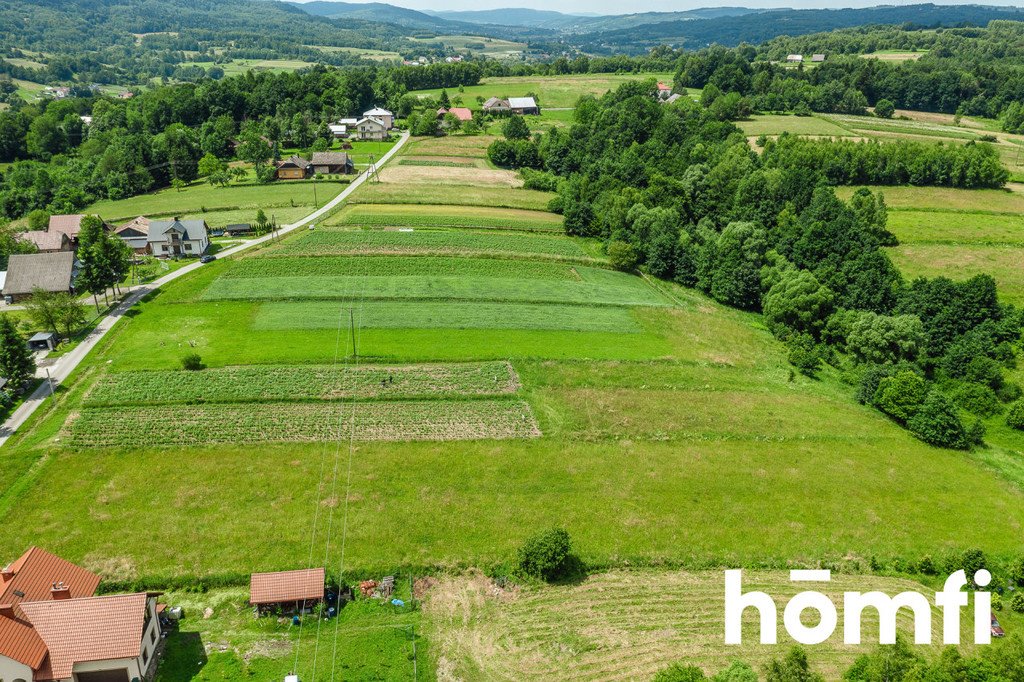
x=305 y=585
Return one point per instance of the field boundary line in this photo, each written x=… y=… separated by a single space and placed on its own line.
x=67 y=363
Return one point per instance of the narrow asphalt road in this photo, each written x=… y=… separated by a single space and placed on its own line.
x=62 y=368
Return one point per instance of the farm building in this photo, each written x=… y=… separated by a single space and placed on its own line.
x=382 y=115
x=524 y=105
x=135 y=233
x=173 y=238
x=673 y=98
x=332 y=163
x=372 y=129
x=461 y=113
x=52 y=272
x=48 y=242
x=293 y=168
x=52 y=628
x=289 y=590
x=42 y=341
x=497 y=105
x=343 y=128
x=817 y=58
x=70 y=225
x=795 y=58
x=238 y=228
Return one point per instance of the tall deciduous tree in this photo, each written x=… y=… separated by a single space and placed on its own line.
x=16 y=362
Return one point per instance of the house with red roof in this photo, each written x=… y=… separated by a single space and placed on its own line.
x=461 y=113
x=54 y=629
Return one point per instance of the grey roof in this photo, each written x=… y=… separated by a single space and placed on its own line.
x=494 y=102
x=331 y=159
x=189 y=229
x=46 y=271
x=43 y=336
x=522 y=102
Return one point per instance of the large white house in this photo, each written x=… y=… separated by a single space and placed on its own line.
x=382 y=115
x=173 y=238
x=52 y=628
x=371 y=128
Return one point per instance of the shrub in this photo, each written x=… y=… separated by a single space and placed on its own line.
x=869 y=381
x=900 y=396
x=1017 y=603
x=1017 y=571
x=976 y=433
x=986 y=371
x=738 y=671
x=622 y=255
x=192 y=362
x=977 y=399
x=884 y=108
x=515 y=128
x=805 y=354
x=1015 y=418
x=678 y=672
x=545 y=555
x=937 y=423
x=539 y=180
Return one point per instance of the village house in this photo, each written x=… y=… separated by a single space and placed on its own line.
x=371 y=129
x=343 y=128
x=48 y=242
x=664 y=91
x=526 y=106
x=174 y=238
x=53 y=272
x=293 y=168
x=290 y=591
x=461 y=113
x=382 y=115
x=332 y=163
x=53 y=628
x=135 y=234
x=70 y=225
x=496 y=105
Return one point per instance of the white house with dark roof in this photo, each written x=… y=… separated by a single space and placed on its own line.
x=382 y=115
x=174 y=238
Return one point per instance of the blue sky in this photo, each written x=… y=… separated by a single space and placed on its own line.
x=619 y=7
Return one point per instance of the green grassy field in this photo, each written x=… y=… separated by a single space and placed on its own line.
x=460 y=195
x=624 y=625
x=551 y=92
x=771 y=124
x=200 y=198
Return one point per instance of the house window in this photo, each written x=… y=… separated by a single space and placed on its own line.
x=188 y=247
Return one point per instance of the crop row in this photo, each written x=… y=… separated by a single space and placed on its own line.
x=433 y=242
x=389 y=216
x=304 y=382
x=449 y=315
x=625 y=290
x=199 y=425
x=396 y=266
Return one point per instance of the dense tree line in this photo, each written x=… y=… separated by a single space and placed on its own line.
x=678 y=191
x=977 y=72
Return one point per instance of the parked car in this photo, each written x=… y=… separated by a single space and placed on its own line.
x=997 y=629
x=207 y=259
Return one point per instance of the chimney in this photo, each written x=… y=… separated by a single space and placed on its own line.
x=60 y=591
x=7 y=575
x=7 y=610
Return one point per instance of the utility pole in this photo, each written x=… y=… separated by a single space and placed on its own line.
x=316 y=204
x=49 y=382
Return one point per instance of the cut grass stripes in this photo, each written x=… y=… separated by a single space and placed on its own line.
x=252 y=383
x=387 y=266
x=182 y=425
x=432 y=242
x=427 y=315
x=624 y=290
x=427 y=215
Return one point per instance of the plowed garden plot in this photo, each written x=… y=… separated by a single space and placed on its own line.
x=182 y=425
x=620 y=290
x=450 y=315
x=433 y=242
x=387 y=266
x=427 y=215
x=324 y=382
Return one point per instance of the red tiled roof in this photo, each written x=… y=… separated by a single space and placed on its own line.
x=18 y=641
x=70 y=225
x=88 y=629
x=461 y=113
x=37 y=570
x=286 y=586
